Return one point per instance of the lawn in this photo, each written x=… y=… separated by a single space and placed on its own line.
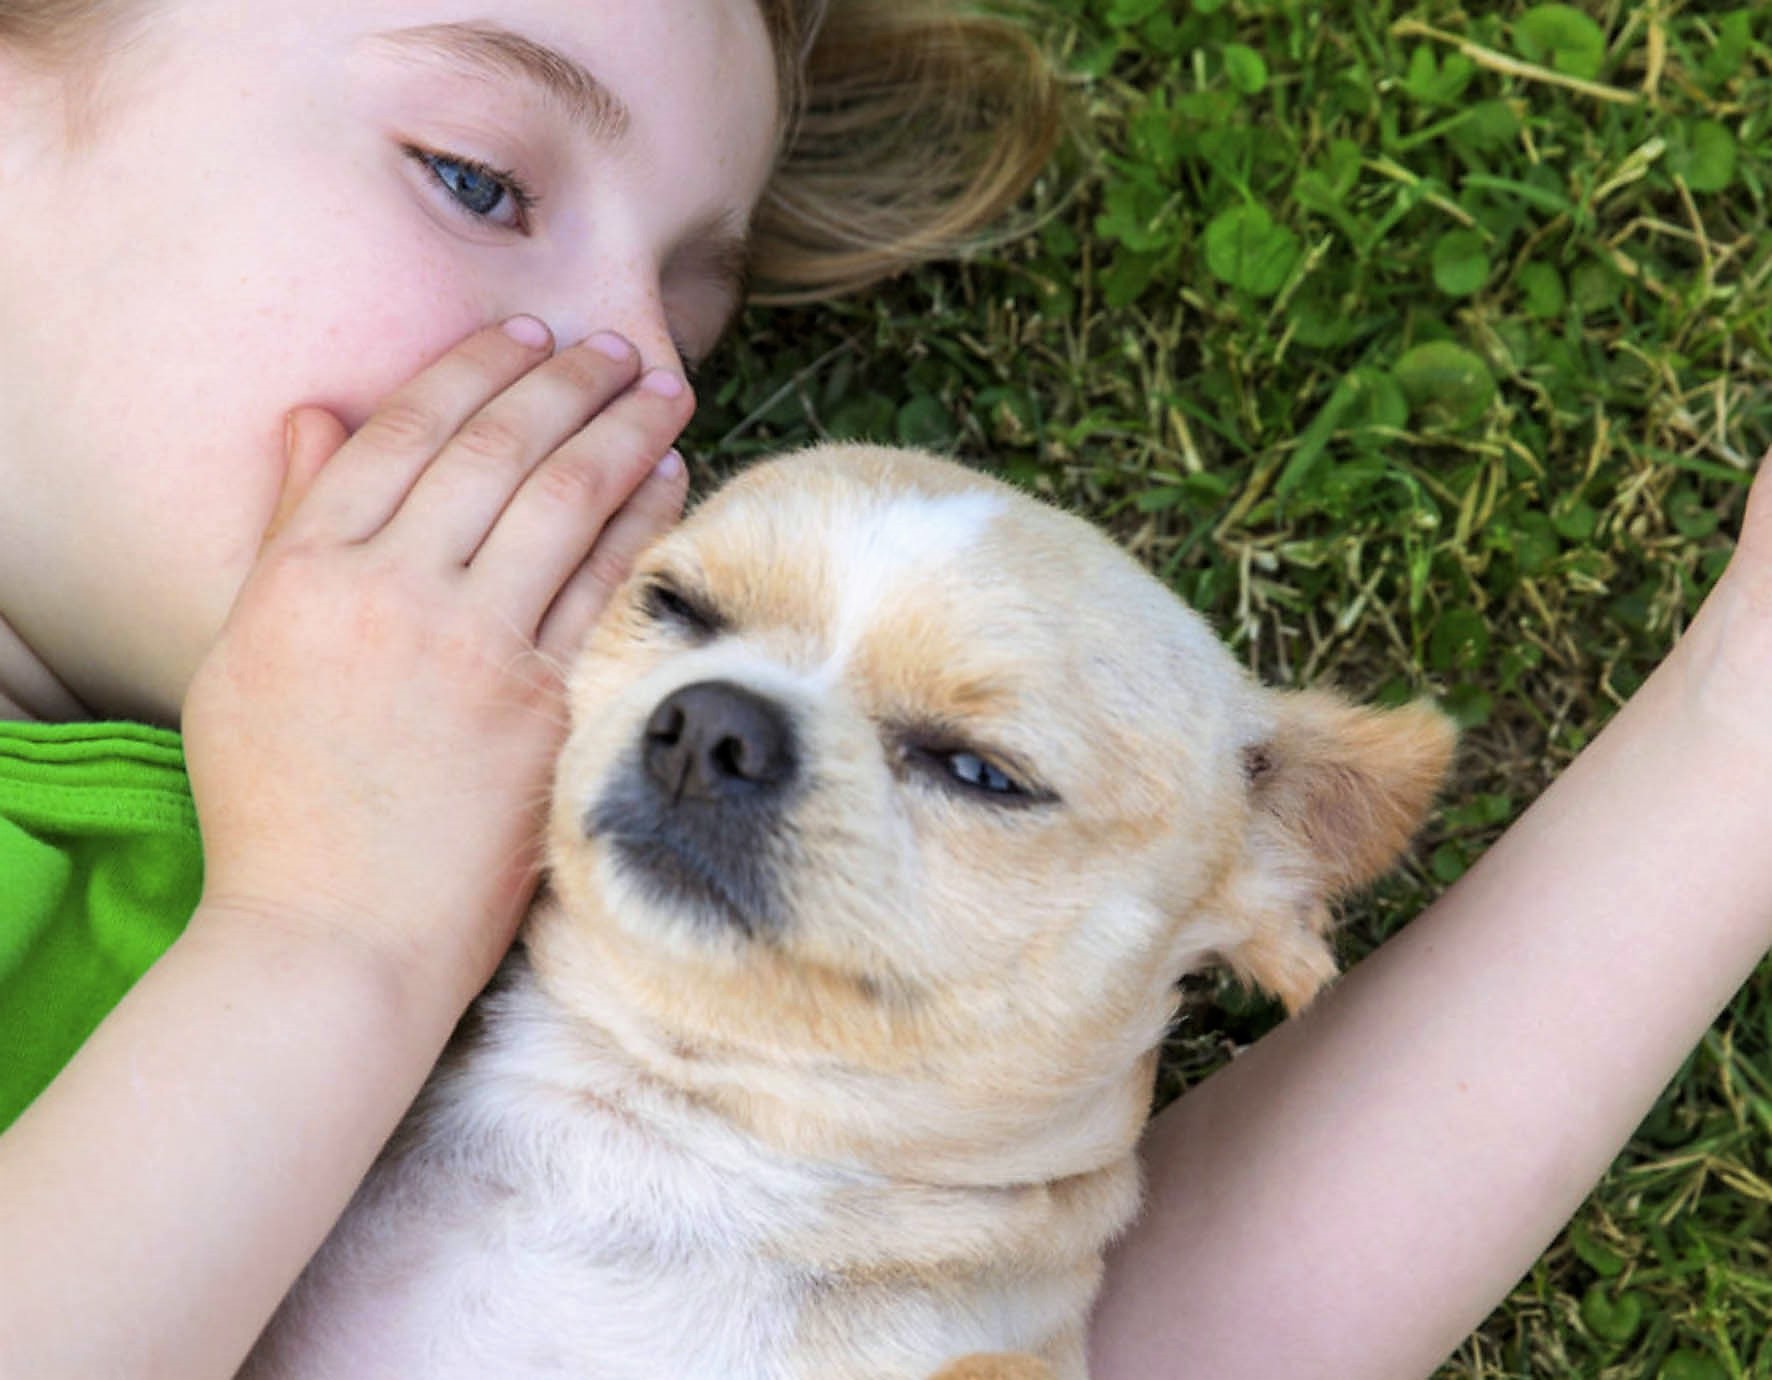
x=1424 y=351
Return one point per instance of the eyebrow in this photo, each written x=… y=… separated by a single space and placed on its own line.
x=491 y=50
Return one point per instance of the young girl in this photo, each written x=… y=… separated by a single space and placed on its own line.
x=482 y=250
x=216 y=214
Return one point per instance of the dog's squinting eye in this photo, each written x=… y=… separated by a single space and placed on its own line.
x=970 y=773
x=975 y=771
x=665 y=603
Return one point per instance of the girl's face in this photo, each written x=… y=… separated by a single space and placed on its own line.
x=286 y=204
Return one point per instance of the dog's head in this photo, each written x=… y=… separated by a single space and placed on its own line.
x=896 y=802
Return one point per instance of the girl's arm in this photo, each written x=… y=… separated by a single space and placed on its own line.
x=370 y=742
x=1351 y=1196
x=159 y=1198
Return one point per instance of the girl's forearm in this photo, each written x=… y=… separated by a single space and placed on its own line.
x=158 y=1200
x=1351 y=1196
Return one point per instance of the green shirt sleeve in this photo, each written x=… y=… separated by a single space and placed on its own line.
x=100 y=868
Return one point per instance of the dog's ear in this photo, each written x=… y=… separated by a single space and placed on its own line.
x=1336 y=791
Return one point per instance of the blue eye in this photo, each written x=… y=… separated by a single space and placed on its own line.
x=972 y=769
x=965 y=773
x=477 y=188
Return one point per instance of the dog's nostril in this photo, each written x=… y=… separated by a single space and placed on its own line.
x=718 y=741
x=729 y=757
x=666 y=724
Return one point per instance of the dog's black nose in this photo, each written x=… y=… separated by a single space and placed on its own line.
x=717 y=741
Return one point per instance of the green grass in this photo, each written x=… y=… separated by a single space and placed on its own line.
x=1416 y=369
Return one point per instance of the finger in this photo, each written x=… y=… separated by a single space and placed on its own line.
x=1756 y=522
x=459 y=498
x=355 y=495
x=653 y=510
x=556 y=520
x=311 y=437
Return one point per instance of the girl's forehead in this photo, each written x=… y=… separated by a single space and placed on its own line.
x=603 y=61
x=695 y=78
x=616 y=66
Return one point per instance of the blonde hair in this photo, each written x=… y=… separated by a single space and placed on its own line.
x=60 y=31
x=910 y=127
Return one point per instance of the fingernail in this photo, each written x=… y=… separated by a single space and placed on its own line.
x=670 y=467
x=526 y=330
x=610 y=344
x=663 y=382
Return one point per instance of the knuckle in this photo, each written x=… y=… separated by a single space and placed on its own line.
x=606 y=567
x=585 y=371
x=403 y=426
x=624 y=440
x=575 y=486
x=491 y=438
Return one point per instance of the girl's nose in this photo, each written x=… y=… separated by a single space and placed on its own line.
x=638 y=316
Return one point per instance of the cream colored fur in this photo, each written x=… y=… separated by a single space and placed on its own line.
x=872 y=1117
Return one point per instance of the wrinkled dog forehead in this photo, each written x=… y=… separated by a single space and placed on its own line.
x=828 y=540
x=893 y=565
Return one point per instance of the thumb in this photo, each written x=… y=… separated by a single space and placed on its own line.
x=312 y=436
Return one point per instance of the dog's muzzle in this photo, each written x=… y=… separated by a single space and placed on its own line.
x=699 y=812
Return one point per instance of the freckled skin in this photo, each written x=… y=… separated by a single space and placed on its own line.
x=246 y=236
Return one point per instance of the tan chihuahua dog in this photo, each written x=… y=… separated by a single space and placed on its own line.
x=894 y=806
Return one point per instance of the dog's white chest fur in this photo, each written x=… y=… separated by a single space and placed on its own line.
x=529 y=1224
x=530 y=1227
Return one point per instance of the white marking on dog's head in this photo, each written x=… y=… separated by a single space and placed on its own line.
x=904 y=537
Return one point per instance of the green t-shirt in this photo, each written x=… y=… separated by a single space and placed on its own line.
x=100 y=868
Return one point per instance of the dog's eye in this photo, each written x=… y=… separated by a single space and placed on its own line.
x=665 y=603
x=969 y=772
x=975 y=771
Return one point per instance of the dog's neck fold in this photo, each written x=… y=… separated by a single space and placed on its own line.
x=908 y=1124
